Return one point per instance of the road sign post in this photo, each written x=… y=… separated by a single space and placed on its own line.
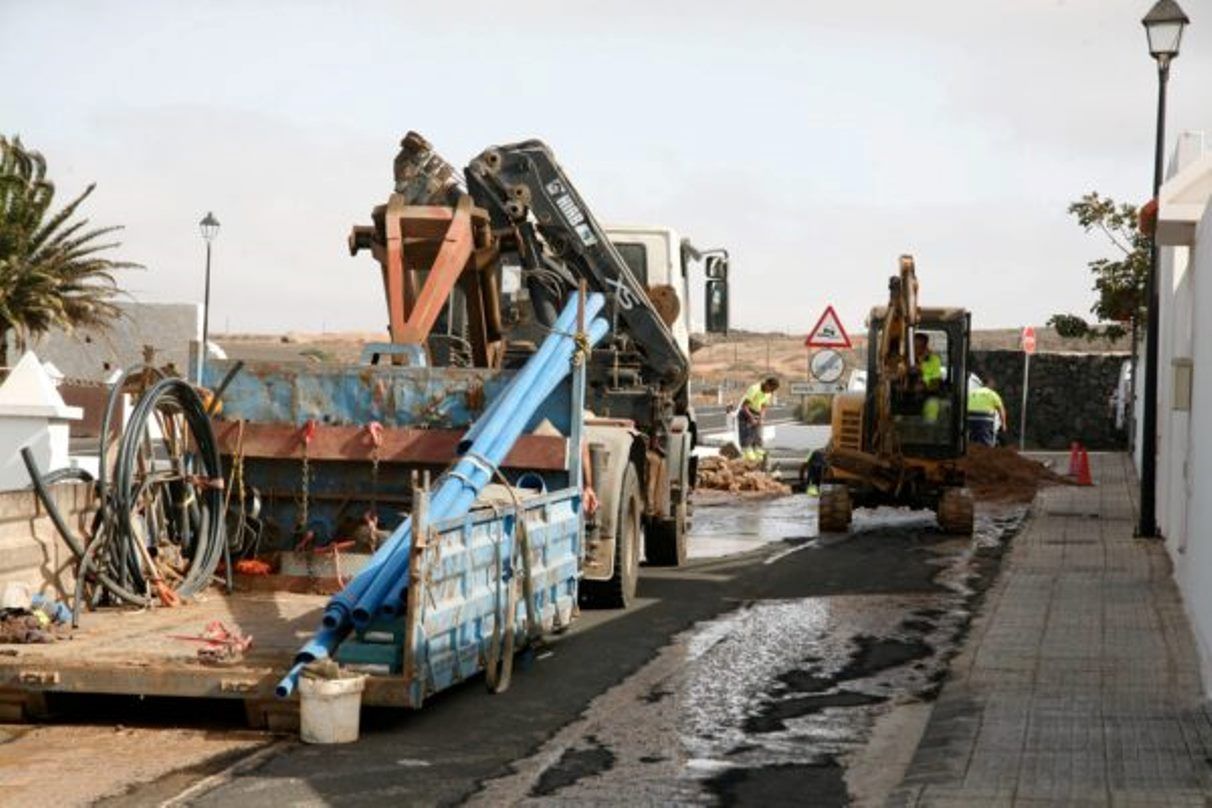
x=825 y=365
x=1028 y=345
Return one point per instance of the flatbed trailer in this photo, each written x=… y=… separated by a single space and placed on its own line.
x=122 y=652
x=444 y=637
x=480 y=583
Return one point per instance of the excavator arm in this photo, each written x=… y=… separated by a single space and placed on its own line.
x=896 y=359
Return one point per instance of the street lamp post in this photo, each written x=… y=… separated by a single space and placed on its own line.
x=210 y=228
x=1164 y=27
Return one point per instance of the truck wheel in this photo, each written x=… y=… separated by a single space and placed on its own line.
x=834 y=510
x=955 y=511
x=665 y=540
x=619 y=591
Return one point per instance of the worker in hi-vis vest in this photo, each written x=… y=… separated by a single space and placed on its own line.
x=930 y=374
x=753 y=410
x=985 y=408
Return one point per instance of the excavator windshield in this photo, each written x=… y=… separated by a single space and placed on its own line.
x=929 y=406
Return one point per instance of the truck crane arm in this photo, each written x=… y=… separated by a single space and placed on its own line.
x=516 y=180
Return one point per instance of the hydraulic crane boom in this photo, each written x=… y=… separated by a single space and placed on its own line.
x=515 y=180
x=449 y=254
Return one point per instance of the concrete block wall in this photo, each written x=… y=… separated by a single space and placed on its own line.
x=31 y=550
x=1068 y=397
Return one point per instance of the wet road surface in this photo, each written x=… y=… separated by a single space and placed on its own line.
x=759 y=677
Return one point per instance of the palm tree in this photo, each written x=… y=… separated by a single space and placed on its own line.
x=52 y=273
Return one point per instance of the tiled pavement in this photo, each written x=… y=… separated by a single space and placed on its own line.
x=1079 y=684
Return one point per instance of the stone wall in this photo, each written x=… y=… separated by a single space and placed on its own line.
x=31 y=550
x=1068 y=399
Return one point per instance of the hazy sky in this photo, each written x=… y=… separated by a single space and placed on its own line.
x=817 y=140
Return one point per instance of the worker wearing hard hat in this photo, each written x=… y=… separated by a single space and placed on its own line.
x=985 y=408
x=753 y=410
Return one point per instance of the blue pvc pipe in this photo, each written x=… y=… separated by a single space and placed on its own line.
x=390 y=563
x=466 y=495
x=459 y=488
x=557 y=342
x=563 y=325
x=287 y=685
x=354 y=598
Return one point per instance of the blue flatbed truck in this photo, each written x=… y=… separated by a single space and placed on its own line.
x=281 y=422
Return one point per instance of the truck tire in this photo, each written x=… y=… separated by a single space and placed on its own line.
x=834 y=510
x=665 y=540
x=619 y=591
x=956 y=511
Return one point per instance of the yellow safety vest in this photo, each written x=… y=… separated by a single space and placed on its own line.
x=984 y=400
x=756 y=397
x=932 y=370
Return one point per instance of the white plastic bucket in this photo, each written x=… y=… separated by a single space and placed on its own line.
x=330 y=709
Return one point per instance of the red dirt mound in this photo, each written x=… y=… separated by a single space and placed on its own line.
x=736 y=476
x=1001 y=474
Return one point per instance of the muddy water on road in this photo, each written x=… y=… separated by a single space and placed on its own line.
x=721 y=526
x=773 y=701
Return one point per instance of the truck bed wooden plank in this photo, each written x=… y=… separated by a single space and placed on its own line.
x=119 y=651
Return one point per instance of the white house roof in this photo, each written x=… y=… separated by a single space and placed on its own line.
x=30 y=392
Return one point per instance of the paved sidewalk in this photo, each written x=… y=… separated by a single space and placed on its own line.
x=1079 y=684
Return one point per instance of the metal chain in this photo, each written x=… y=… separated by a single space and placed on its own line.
x=376 y=454
x=309 y=431
x=305 y=504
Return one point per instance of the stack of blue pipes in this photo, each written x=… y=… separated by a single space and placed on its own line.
x=380 y=587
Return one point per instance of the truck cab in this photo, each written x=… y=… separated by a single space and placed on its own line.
x=660 y=259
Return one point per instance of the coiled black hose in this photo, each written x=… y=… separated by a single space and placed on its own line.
x=194 y=480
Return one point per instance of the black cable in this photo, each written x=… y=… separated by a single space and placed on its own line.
x=195 y=479
x=73 y=542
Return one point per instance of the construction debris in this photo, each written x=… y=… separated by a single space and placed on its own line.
x=24 y=627
x=738 y=475
x=1000 y=474
x=25 y=619
x=220 y=645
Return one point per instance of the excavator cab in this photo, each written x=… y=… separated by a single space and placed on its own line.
x=929 y=419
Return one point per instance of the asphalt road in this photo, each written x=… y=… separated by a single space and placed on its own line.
x=760 y=677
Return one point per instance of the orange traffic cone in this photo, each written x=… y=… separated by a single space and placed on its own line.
x=1075 y=452
x=1083 y=467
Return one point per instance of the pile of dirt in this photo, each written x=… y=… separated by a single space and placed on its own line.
x=738 y=475
x=1000 y=474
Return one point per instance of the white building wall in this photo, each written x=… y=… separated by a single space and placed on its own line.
x=1173 y=341
x=1184 y=464
x=1176 y=488
x=1193 y=566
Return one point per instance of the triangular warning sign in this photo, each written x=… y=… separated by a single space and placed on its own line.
x=828 y=332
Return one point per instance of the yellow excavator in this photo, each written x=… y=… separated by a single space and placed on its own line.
x=900 y=442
